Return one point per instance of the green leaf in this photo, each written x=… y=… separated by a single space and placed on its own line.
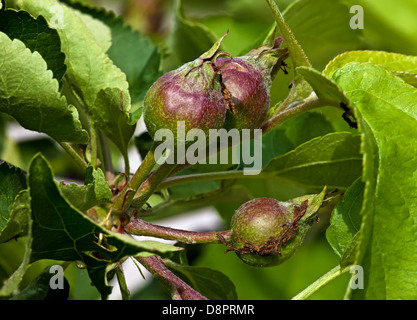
x=349 y=256
x=101 y=85
x=369 y=148
x=322 y=41
x=315 y=202
x=300 y=88
x=136 y=112
x=345 y=221
x=95 y=191
x=210 y=283
x=98 y=29
x=20 y=223
x=293 y=133
x=134 y=54
x=319 y=42
x=388 y=112
x=17 y=224
x=281 y=140
x=333 y=160
x=30 y=95
x=113 y=122
x=187 y=41
x=329 y=92
x=392 y=61
x=37 y=36
x=12 y=181
x=297 y=54
x=325 y=88
x=400 y=65
x=61 y=232
x=40 y=289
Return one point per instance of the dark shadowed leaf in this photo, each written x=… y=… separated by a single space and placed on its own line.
x=37 y=36
x=61 y=232
x=95 y=191
x=210 y=283
x=20 y=223
x=40 y=288
x=12 y=181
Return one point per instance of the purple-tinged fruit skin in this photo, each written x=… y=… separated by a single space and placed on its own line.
x=248 y=80
x=249 y=93
x=190 y=94
x=212 y=92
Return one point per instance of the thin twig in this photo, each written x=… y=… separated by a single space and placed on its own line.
x=199 y=177
x=150 y=185
x=93 y=143
x=143 y=228
x=293 y=112
x=122 y=281
x=124 y=199
x=179 y=289
x=74 y=155
x=107 y=160
x=321 y=282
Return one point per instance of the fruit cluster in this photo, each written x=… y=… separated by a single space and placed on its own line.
x=218 y=91
x=215 y=91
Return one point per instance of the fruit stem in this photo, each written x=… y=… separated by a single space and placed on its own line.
x=124 y=199
x=122 y=281
x=321 y=282
x=198 y=177
x=74 y=155
x=293 y=112
x=142 y=228
x=150 y=185
x=93 y=144
x=106 y=156
x=179 y=289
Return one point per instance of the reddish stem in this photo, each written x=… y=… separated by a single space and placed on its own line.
x=179 y=289
x=142 y=228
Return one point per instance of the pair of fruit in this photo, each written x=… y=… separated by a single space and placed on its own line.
x=215 y=91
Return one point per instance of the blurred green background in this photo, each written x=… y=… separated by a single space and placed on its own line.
x=322 y=29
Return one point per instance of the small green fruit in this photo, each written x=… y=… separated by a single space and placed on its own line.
x=266 y=232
